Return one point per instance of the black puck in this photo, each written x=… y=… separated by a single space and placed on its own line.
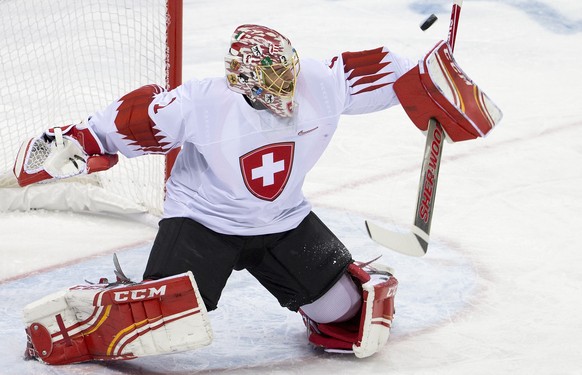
x=428 y=22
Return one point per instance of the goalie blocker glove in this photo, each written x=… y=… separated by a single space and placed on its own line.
x=117 y=321
x=61 y=152
x=438 y=88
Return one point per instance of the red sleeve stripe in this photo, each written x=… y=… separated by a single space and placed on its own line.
x=362 y=71
x=371 y=88
x=371 y=78
x=134 y=123
x=366 y=67
x=353 y=59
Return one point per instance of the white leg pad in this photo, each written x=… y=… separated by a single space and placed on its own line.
x=367 y=332
x=377 y=315
x=117 y=321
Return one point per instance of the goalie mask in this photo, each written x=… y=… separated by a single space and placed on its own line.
x=262 y=64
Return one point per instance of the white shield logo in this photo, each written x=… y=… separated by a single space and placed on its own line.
x=266 y=170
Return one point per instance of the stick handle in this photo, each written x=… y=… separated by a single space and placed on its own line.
x=455 y=14
x=433 y=150
x=429 y=177
x=416 y=242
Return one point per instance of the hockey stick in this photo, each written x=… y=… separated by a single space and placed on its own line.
x=415 y=242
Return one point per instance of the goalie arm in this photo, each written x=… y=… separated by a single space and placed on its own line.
x=144 y=121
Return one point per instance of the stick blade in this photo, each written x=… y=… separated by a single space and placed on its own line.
x=407 y=243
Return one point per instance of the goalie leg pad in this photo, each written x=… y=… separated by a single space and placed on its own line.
x=117 y=321
x=368 y=331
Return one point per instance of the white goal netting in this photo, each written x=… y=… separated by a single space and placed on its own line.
x=60 y=62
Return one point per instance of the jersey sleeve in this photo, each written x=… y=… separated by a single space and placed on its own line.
x=148 y=120
x=366 y=78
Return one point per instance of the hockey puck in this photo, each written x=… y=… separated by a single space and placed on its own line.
x=428 y=22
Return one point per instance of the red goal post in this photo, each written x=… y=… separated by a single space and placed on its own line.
x=174 y=62
x=63 y=60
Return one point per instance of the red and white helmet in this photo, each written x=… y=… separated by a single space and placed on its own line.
x=262 y=64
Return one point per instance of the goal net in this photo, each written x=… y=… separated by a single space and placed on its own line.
x=62 y=61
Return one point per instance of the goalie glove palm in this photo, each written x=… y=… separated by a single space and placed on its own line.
x=66 y=158
x=61 y=153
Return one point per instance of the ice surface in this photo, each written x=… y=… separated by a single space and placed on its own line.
x=251 y=329
x=500 y=288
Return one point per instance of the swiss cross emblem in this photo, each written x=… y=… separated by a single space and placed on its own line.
x=266 y=170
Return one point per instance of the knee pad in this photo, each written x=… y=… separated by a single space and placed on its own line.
x=339 y=304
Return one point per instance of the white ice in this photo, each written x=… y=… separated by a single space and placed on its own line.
x=500 y=289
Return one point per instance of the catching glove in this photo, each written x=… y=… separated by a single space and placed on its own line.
x=61 y=152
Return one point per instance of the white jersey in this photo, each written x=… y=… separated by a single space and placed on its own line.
x=240 y=170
